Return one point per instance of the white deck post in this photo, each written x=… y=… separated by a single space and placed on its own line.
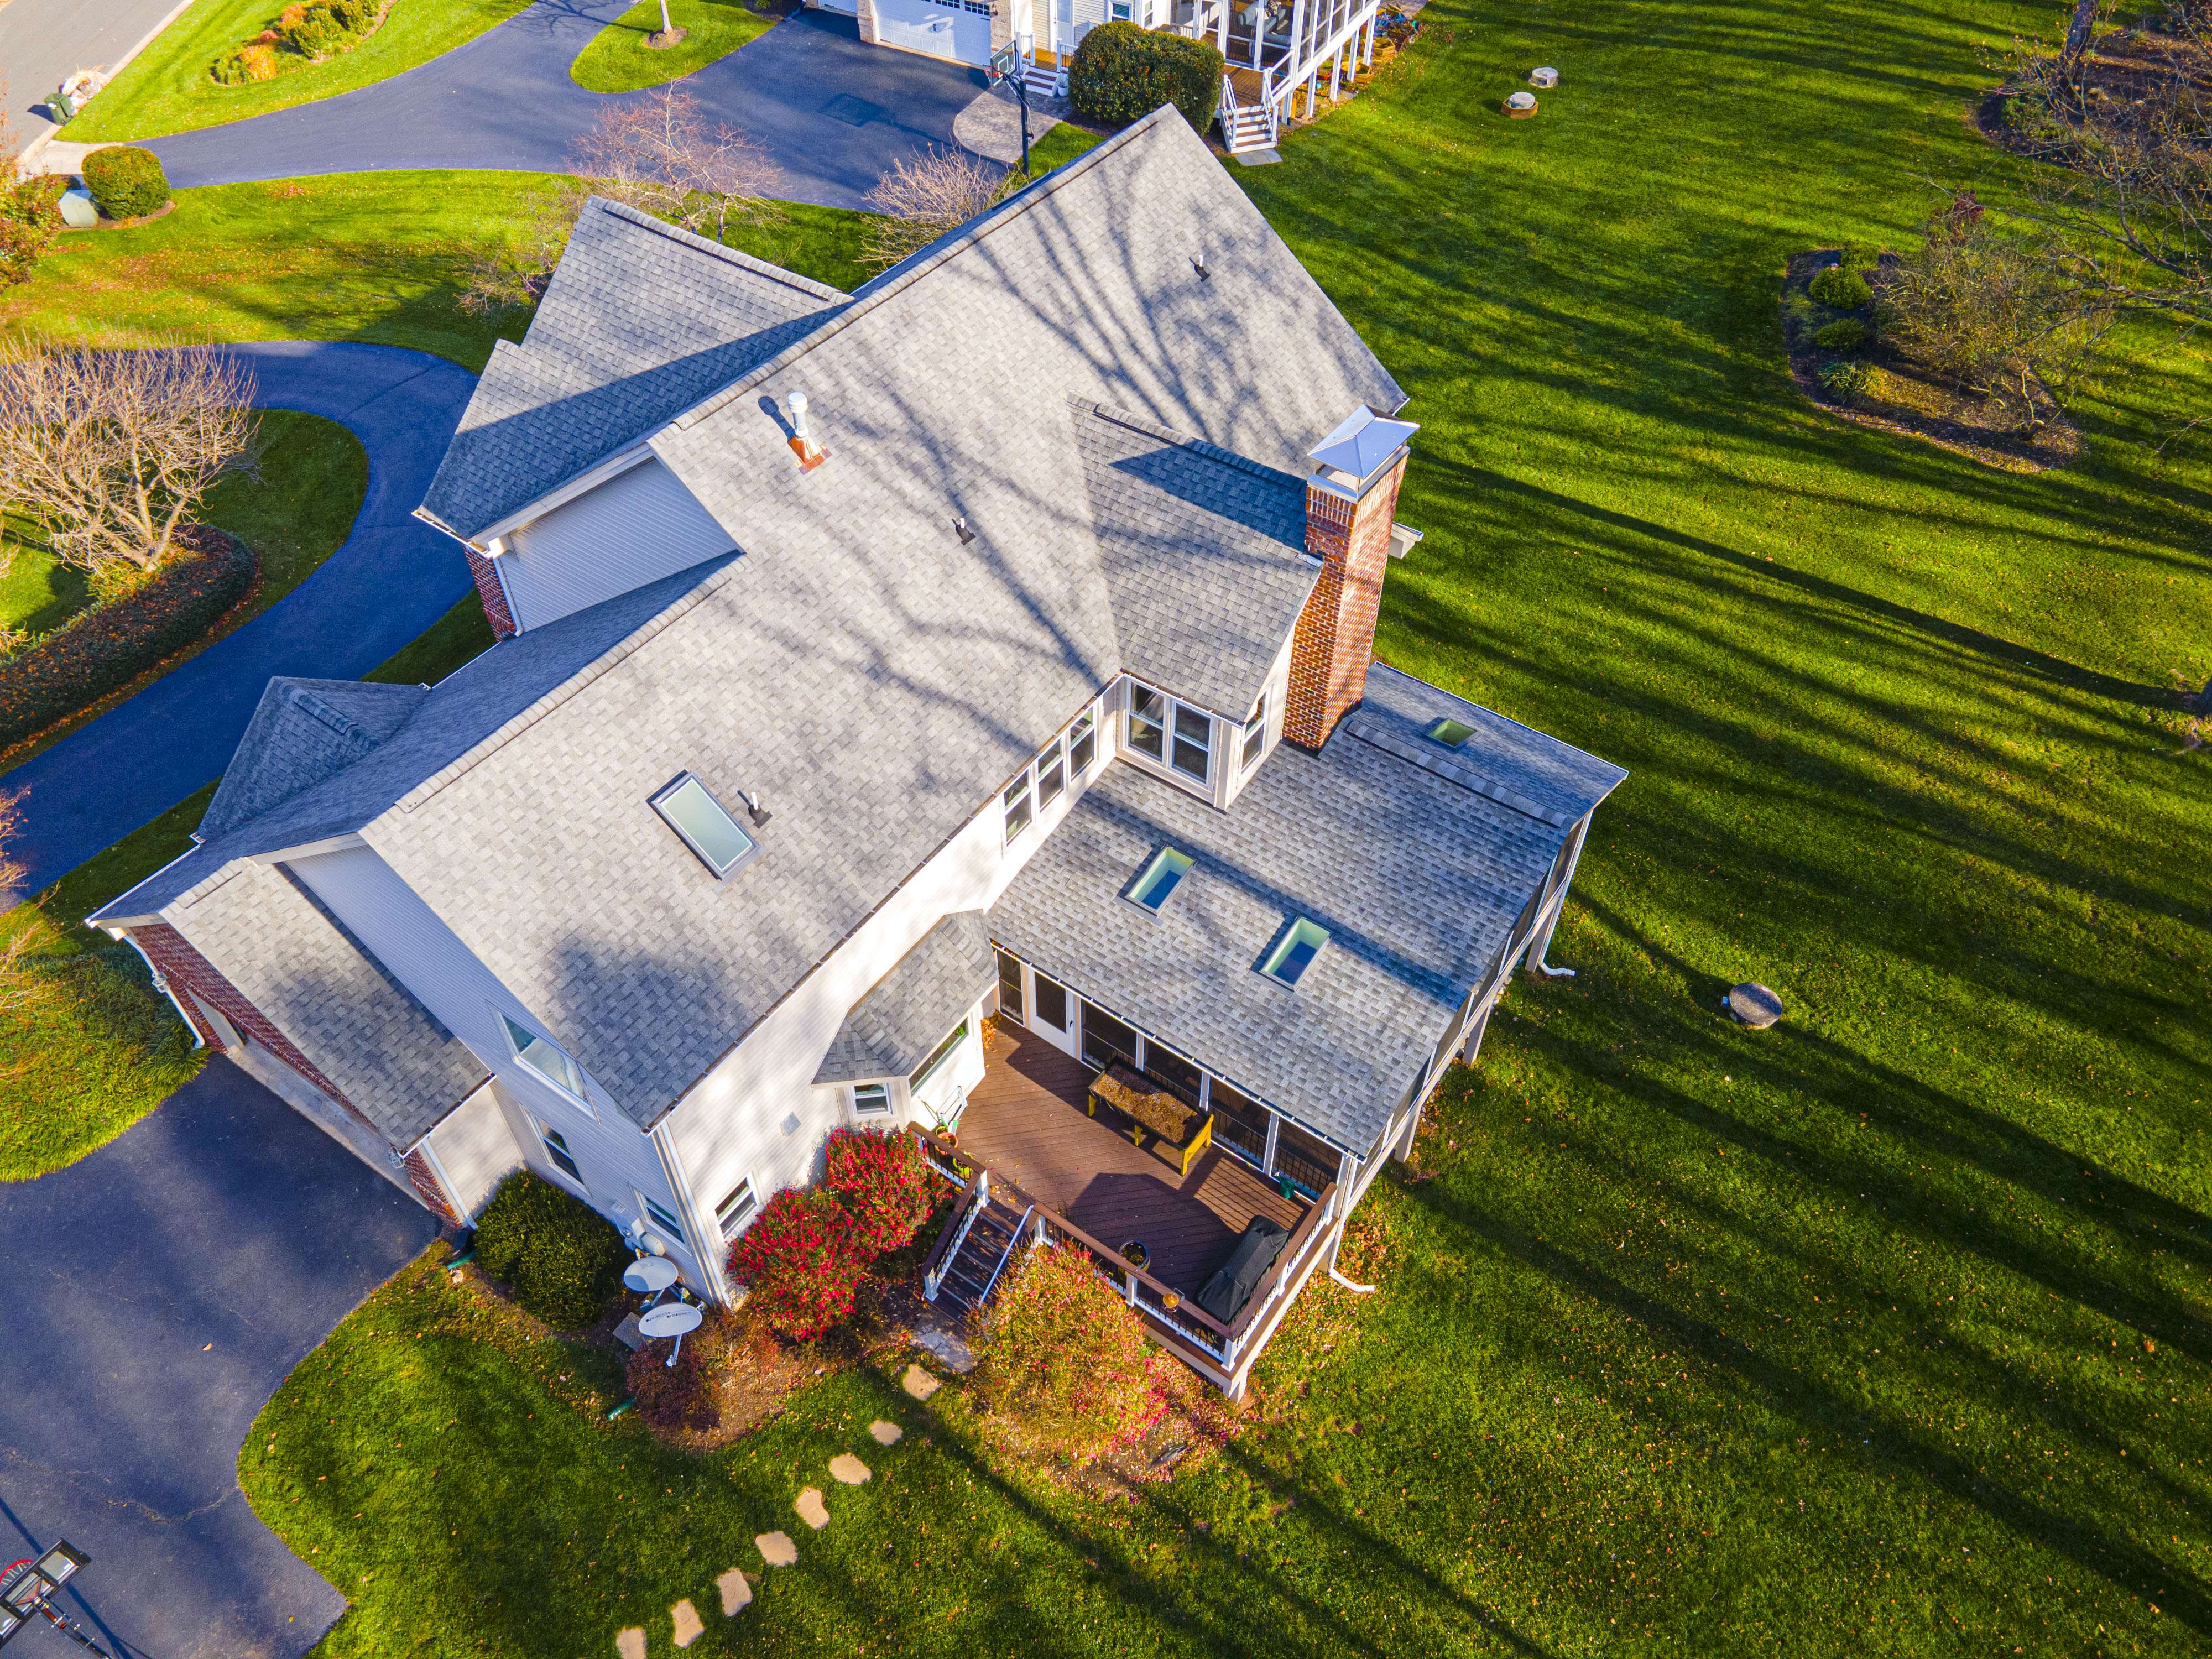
x=1297 y=36
x=1259 y=28
x=1542 y=942
x=1267 y=1156
x=1221 y=27
x=1367 y=54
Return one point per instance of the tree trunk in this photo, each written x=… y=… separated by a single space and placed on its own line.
x=2078 y=29
x=667 y=27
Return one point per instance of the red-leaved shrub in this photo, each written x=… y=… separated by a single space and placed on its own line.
x=884 y=1184
x=803 y=1259
x=1062 y=1354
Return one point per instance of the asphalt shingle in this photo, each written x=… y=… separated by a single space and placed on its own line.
x=907 y=1013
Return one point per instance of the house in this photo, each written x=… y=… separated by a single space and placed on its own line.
x=915 y=708
x=1281 y=56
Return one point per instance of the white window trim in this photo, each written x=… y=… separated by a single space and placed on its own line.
x=508 y=1025
x=672 y=1228
x=1247 y=757
x=722 y=873
x=1164 y=767
x=888 y=1109
x=546 y=1132
x=1077 y=774
x=752 y=1188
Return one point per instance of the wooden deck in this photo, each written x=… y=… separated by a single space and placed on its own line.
x=1026 y=1120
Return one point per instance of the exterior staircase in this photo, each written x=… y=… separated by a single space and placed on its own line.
x=1247 y=124
x=1044 y=80
x=982 y=1251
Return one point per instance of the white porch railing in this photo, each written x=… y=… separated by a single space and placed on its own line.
x=1329 y=41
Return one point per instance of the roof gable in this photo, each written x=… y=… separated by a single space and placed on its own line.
x=302 y=731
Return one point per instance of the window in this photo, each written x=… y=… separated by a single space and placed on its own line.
x=707 y=829
x=1148 y=722
x=1307 y=1159
x=1255 y=732
x=545 y=1059
x=1161 y=877
x=733 y=1212
x=1051 y=1004
x=661 y=1218
x=1194 y=741
x=1118 y=10
x=1106 y=1039
x=1082 y=745
x=1010 y=986
x=871 y=1100
x=943 y=1052
x=1018 y=805
x=557 y=1151
x=1289 y=961
x=1451 y=734
x=1051 y=776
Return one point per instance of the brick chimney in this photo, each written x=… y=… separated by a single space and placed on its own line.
x=1351 y=499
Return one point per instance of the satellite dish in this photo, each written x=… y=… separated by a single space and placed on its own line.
x=650 y=1273
x=669 y=1319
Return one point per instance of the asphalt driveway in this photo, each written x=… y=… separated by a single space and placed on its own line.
x=394 y=577
x=831 y=111
x=159 y=1291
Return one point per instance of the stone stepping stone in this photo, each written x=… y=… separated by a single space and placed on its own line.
x=886 y=1434
x=776 y=1548
x=737 y=1591
x=918 y=1382
x=849 y=1469
x=1753 y=1006
x=688 y=1627
x=630 y=1644
x=811 y=1510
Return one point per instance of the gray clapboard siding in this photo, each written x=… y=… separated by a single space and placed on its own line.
x=475 y=1148
x=635 y=529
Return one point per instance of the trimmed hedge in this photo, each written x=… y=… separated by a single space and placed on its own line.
x=1840 y=289
x=112 y=644
x=562 y=1259
x=1123 y=73
x=1844 y=334
x=125 y=181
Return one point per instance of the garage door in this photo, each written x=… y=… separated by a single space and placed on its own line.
x=958 y=29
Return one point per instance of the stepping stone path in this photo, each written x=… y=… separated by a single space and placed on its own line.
x=886 y=1434
x=737 y=1591
x=688 y=1629
x=918 y=1382
x=776 y=1548
x=811 y=1510
x=630 y=1644
x=849 y=1469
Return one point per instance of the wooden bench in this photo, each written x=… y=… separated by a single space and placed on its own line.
x=1183 y=1130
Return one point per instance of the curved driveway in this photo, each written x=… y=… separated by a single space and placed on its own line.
x=158 y=1292
x=504 y=100
x=393 y=578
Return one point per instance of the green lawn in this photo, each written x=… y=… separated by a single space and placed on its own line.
x=1882 y=1332
x=617 y=58
x=168 y=88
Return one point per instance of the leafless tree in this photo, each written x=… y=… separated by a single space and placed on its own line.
x=16 y=985
x=921 y=198
x=112 y=451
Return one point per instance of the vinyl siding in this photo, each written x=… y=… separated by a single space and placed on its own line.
x=635 y=528
x=474 y=1148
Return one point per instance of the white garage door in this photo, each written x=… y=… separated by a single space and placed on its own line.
x=958 y=29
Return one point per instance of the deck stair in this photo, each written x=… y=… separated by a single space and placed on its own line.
x=1044 y=80
x=982 y=1257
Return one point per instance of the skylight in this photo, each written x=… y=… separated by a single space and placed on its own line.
x=1161 y=877
x=1451 y=734
x=1289 y=961
x=707 y=829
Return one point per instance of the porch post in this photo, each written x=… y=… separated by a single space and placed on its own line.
x=1267 y=1156
x=1543 y=939
x=1221 y=26
x=1367 y=55
x=1297 y=35
x=1259 y=28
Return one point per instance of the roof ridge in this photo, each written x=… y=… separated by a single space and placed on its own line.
x=737 y=256
x=901 y=277
x=1212 y=450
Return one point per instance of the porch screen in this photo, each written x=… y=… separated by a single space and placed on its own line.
x=1010 y=986
x=1239 y=1123
x=1307 y=1159
x=1106 y=1039
x=1172 y=1072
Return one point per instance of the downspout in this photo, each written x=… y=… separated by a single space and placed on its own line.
x=1346 y=1172
x=710 y=1260
x=1582 y=834
x=162 y=980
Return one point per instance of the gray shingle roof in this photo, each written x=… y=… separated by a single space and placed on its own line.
x=1204 y=554
x=641 y=321
x=1417 y=879
x=303 y=731
x=893 y=1029
x=360 y=1028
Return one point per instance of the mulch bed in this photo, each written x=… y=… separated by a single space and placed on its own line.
x=2126 y=65
x=1907 y=400
x=107 y=223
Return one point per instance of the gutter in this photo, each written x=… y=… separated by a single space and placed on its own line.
x=162 y=980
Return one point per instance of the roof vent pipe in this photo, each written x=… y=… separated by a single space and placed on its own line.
x=802 y=436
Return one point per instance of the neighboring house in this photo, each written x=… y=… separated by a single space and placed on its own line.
x=1282 y=55
x=993 y=640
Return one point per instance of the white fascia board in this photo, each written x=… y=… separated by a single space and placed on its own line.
x=590 y=479
x=307 y=849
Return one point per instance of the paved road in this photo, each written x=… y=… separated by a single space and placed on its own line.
x=42 y=42
x=394 y=577
x=159 y=1291
x=505 y=101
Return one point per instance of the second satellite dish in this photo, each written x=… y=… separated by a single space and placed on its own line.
x=669 y=1319
x=650 y=1273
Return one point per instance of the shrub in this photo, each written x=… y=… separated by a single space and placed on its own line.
x=110 y=645
x=1123 y=73
x=562 y=1259
x=1060 y=1351
x=1847 y=380
x=1845 y=334
x=683 y=1396
x=125 y=180
x=28 y=219
x=882 y=1182
x=1840 y=289
x=802 y=1260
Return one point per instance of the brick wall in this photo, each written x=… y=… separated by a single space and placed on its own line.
x=1334 y=642
x=493 y=595
x=429 y=1187
x=867 y=21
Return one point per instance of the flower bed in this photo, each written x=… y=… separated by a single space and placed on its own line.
x=104 y=648
x=304 y=33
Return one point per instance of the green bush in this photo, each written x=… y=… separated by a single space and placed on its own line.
x=1840 y=289
x=125 y=181
x=110 y=645
x=562 y=1259
x=1060 y=1352
x=1847 y=379
x=1123 y=73
x=29 y=217
x=1845 y=334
